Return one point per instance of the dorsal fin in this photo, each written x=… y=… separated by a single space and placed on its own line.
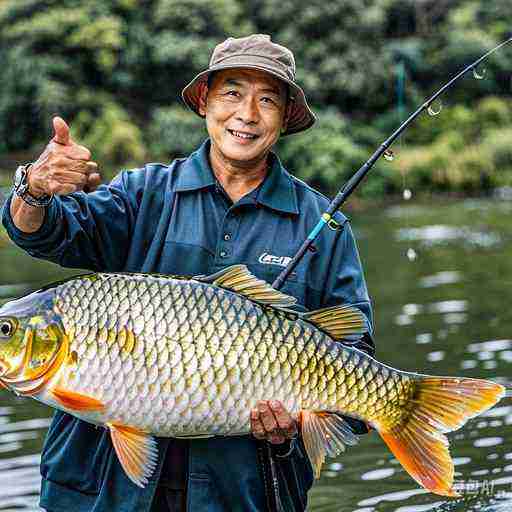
x=339 y=322
x=239 y=279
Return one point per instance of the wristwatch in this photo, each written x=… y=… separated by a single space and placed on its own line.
x=21 y=188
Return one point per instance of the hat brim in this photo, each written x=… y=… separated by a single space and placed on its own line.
x=301 y=116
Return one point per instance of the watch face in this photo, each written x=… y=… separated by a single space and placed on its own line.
x=20 y=180
x=18 y=177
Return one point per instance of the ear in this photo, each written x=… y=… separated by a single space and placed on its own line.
x=287 y=114
x=203 y=95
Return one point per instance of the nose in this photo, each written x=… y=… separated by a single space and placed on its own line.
x=248 y=111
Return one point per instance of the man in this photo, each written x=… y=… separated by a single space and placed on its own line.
x=229 y=202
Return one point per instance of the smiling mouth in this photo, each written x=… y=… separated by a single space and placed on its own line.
x=243 y=135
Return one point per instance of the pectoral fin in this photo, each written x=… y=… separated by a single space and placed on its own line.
x=76 y=401
x=137 y=452
x=324 y=434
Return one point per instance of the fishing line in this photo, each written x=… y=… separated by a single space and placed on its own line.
x=401 y=76
x=353 y=182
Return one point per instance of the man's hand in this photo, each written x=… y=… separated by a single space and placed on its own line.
x=64 y=167
x=271 y=421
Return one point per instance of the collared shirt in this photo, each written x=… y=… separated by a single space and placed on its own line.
x=176 y=220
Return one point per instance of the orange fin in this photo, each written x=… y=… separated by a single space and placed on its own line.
x=439 y=404
x=324 y=434
x=76 y=401
x=137 y=452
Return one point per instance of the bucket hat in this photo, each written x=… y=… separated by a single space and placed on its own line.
x=256 y=51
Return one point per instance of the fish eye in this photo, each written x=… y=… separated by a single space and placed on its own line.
x=7 y=328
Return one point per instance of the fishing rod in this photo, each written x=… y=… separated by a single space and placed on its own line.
x=327 y=217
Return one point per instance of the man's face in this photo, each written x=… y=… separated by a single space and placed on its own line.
x=245 y=110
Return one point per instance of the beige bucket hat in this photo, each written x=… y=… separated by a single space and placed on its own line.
x=256 y=51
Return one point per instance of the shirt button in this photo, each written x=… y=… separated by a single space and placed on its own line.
x=223 y=254
x=227 y=237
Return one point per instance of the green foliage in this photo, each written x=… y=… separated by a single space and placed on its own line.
x=175 y=132
x=115 y=71
x=471 y=152
x=104 y=125
x=324 y=157
x=327 y=156
x=331 y=41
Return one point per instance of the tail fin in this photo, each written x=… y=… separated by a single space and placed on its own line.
x=439 y=404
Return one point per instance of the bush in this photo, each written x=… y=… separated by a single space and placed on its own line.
x=175 y=132
x=109 y=132
x=325 y=156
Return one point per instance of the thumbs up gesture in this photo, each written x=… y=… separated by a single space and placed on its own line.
x=64 y=166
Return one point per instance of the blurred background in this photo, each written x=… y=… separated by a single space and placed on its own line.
x=433 y=224
x=114 y=70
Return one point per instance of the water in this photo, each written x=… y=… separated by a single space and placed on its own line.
x=446 y=312
x=389 y=155
x=479 y=74
x=435 y=109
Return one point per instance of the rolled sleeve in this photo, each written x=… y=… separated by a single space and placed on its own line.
x=81 y=230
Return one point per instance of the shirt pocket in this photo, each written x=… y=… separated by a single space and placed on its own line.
x=75 y=454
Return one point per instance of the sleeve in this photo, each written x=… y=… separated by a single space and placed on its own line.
x=346 y=284
x=90 y=231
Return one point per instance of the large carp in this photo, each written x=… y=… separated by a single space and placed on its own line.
x=147 y=355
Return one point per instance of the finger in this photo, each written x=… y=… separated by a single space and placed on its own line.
x=93 y=182
x=70 y=177
x=77 y=152
x=61 y=189
x=257 y=428
x=61 y=131
x=65 y=164
x=267 y=417
x=92 y=168
x=283 y=418
x=277 y=439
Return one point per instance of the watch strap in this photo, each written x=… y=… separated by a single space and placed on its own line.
x=21 y=188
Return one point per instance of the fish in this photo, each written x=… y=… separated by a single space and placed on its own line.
x=150 y=355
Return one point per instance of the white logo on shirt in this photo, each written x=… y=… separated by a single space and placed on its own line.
x=269 y=259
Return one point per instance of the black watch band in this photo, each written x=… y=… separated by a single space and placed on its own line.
x=21 y=188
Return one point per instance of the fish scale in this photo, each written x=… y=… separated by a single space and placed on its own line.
x=148 y=355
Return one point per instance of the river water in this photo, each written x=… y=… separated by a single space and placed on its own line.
x=445 y=311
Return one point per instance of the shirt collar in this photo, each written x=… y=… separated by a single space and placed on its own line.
x=276 y=192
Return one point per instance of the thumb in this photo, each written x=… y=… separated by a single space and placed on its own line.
x=61 y=131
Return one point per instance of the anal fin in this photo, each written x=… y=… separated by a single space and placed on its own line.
x=76 y=401
x=324 y=434
x=136 y=450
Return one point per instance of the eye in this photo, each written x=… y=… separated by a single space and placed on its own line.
x=7 y=328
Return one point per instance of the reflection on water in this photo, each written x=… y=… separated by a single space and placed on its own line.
x=436 y=235
x=446 y=313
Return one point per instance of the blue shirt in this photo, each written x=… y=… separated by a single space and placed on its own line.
x=176 y=219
